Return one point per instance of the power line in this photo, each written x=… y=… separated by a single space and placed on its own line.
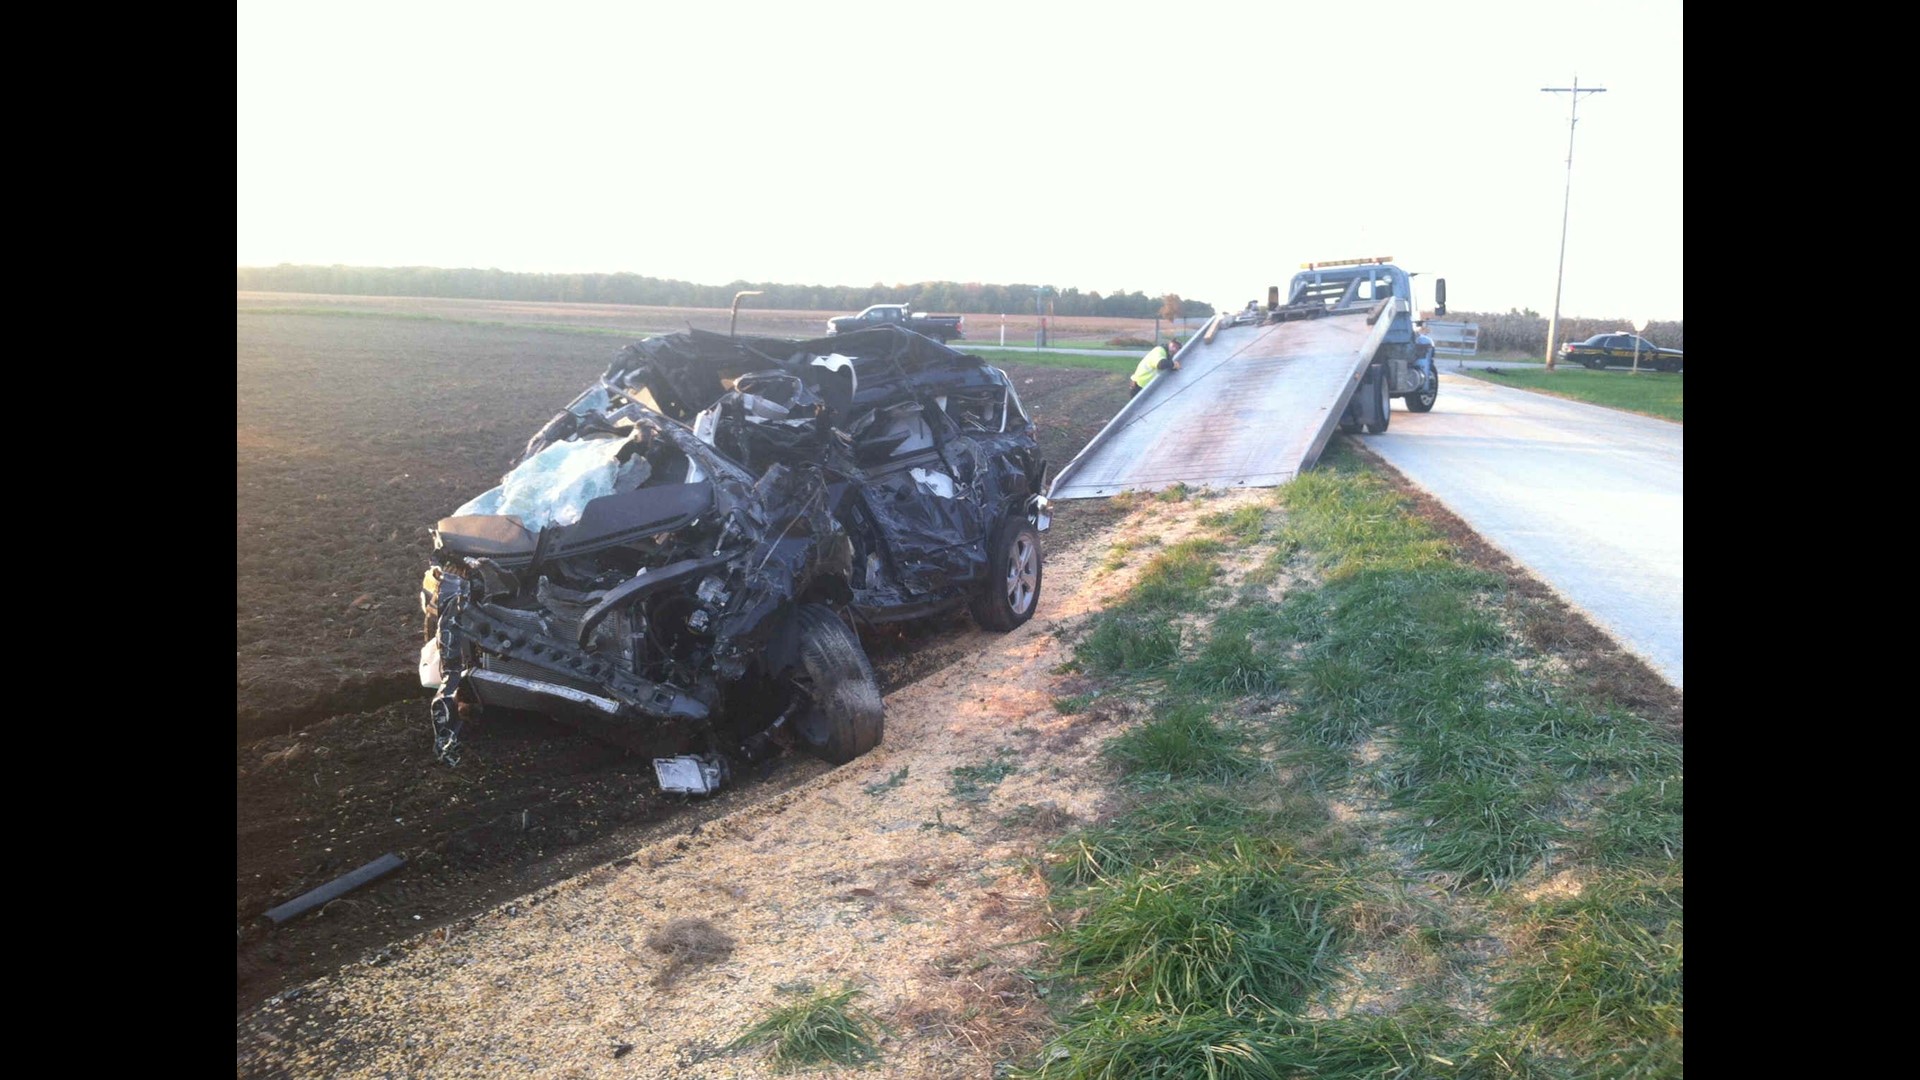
x=1553 y=325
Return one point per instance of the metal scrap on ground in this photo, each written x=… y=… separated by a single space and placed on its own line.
x=336 y=888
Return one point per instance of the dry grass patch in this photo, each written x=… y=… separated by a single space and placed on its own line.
x=977 y=995
x=688 y=944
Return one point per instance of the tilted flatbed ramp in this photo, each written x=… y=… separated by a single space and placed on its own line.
x=1251 y=409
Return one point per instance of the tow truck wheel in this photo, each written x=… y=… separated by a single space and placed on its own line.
x=1012 y=590
x=1385 y=402
x=843 y=716
x=1422 y=400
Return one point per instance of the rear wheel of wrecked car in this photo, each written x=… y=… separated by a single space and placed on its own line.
x=1012 y=591
x=842 y=716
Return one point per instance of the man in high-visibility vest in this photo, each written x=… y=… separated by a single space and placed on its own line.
x=1158 y=359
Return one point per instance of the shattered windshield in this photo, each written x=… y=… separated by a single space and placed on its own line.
x=554 y=486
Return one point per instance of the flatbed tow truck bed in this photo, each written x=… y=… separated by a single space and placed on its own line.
x=1250 y=409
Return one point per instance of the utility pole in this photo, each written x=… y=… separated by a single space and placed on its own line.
x=1553 y=325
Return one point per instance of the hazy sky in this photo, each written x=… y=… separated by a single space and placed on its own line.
x=1205 y=148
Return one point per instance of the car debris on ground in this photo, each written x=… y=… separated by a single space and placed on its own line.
x=336 y=888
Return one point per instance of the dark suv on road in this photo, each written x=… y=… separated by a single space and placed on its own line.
x=680 y=557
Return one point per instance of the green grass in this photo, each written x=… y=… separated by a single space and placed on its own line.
x=1211 y=913
x=1351 y=521
x=1448 y=363
x=1484 y=829
x=1602 y=978
x=1075 y=705
x=973 y=783
x=1646 y=822
x=1651 y=393
x=1411 y=1044
x=1185 y=744
x=1103 y=342
x=1183 y=825
x=1248 y=928
x=881 y=787
x=824 y=1028
x=1085 y=343
x=1245 y=525
x=1118 y=554
x=1178 y=578
x=1132 y=644
x=1245 y=652
x=939 y=825
x=1119 y=365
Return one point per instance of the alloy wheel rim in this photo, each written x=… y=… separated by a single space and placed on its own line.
x=1023 y=576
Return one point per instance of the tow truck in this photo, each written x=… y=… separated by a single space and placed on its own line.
x=1260 y=392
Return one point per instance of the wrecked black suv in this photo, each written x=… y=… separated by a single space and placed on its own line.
x=678 y=559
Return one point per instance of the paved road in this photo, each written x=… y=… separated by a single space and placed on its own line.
x=1587 y=498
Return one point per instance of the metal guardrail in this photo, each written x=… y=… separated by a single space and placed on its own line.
x=1454 y=338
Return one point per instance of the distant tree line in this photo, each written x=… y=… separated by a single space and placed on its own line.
x=1525 y=332
x=970 y=298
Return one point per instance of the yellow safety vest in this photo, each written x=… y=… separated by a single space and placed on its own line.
x=1149 y=366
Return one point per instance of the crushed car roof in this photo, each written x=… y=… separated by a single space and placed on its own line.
x=685 y=370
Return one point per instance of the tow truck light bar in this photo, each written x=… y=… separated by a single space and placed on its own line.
x=1346 y=262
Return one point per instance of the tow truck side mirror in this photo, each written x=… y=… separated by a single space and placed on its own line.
x=1440 y=296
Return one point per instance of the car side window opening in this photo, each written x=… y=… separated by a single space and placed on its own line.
x=900 y=430
x=980 y=409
